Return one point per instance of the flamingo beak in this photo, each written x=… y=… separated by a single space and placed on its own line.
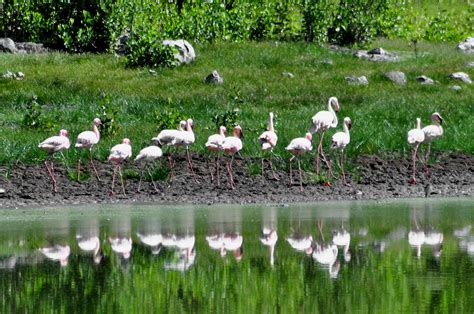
x=349 y=125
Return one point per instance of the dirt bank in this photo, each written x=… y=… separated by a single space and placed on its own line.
x=373 y=178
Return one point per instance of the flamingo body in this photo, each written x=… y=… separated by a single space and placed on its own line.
x=56 y=143
x=149 y=154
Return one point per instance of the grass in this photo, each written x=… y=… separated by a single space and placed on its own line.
x=70 y=88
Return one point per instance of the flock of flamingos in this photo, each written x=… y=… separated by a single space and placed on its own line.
x=184 y=136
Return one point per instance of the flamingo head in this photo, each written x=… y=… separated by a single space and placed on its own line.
x=190 y=122
x=223 y=130
x=309 y=136
x=126 y=141
x=334 y=103
x=182 y=125
x=63 y=132
x=238 y=131
x=271 y=115
x=97 y=121
x=64 y=262
x=348 y=122
x=436 y=117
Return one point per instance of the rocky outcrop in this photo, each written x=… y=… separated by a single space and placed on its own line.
x=467 y=46
x=185 y=51
x=397 y=77
x=461 y=76
x=376 y=54
x=214 y=78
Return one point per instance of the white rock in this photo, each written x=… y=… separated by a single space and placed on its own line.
x=361 y=80
x=185 y=53
x=423 y=79
x=214 y=77
x=461 y=76
x=19 y=76
x=288 y=74
x=2 y=191
x=397 y=77
x=467 y=46
x=455 y=87
x=8 y=75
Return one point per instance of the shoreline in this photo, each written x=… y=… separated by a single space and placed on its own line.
x=452 y=175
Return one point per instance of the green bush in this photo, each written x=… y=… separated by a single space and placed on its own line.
x=145 y=50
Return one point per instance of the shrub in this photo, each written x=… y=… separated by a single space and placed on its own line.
x=168 y=118
x=108 y=113
x=36 y=116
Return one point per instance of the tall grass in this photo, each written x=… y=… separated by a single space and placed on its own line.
x=70 y=87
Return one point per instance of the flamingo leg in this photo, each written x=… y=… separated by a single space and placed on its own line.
x=291 y=172
x=93 y=165
x=51 y=175
x=318 y=153
x=262 y=163
x=271 y=166
x=218 y=171
x=415 y=150
x=171 y=164
x=79 y=165
x=299 y=172
x=112 y=190
x=209 y=160
x=141 y=177
x=320 y=228
x=121 y=179
x=229 y=170
x=427 y=155
x=342 y=169
x=190 y=164
x=153 y=182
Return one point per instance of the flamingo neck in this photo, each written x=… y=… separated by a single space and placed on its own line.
x=221 y=132
x=418 y=123
x=270 y=124
x=346 y=129
x=331 y=110
x=95 y=129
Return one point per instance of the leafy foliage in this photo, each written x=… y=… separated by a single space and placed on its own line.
x=36 y=116
x=168 y=118
x=228 y=118
x=108 y=113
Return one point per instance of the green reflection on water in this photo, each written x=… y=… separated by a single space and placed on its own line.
x=179 y=270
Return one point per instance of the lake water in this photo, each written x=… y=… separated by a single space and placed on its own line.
x=397 y=256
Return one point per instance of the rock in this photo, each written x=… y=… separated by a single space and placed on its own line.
x=467 y=46
x=29 y=47
x=397 y=77
x=7 y=45
x=456 y=87
x=361 y=80
x=423 y=79
x=185 y=53
x=376 y=54
x=8 y=75
x=327 y=61
x=337 y=48
x=19 y=76
x=122 y=42
x=214 y=78
x=461 y=76
x=2 y=191
x=288 y=74
x=470 y=64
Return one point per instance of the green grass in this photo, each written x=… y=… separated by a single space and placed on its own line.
x=70 y=87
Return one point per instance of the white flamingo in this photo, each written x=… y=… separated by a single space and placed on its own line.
x=119 y=153
x=168 y=137
x=214 y=144
x=321 y=122
x=339 y=141
x=415 y=137
x=297 y=147
x=121 y=246
x=301 y=243
x=88 y=139
x=153 y=240
x=52 y=145
x=233 y=144
x=326 y=253
x=186 y=138
x=268 y=141
x=416 y=237
x=148 y=155
x=91 y=244
x=343 y=238
x=432 y=132
x=435 y=240
x=57 y=253
x=233 y=242
x=269 y=237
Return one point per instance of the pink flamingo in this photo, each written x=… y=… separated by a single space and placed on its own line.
x=147 y=155
x=186 y=138
x=321 y=122
x=168 y=138
x=52 y=145
x=415 y=137
x=432 y=132
x=88 y=139
x=233 y=144
x=119 y=153
x=214 y=144
x=268 y=141
x=297 y=147
x=339 y=141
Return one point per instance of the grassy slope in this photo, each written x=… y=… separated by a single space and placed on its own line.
x=381 y=113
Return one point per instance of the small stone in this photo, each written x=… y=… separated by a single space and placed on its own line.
x=456 y=87
x=470 y=64
x=377 y=51
x=461 y=76
x=2 y=191
x=467 y=46
x=20 y=76
x=327 y=61
x=423 y=79
x=8 y=75
x=214 y=78
x=7 y=45
x=361 y=80
x=152 y=72
x=288 y=74
x=376 y=54
x=397 y=77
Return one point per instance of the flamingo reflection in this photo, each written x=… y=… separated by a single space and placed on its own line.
x=326 y=253
x=343 y=238
x=88 y=240
x=149 y=234
x=418 y=237
x=121 y=240
x=57 y=252
x=269 y=235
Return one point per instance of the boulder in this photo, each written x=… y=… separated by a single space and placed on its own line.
x=122 y=42
x=214 y=78
x=376 y=54
x=397 y=77
x=361 y=80
x=29 y=47
x=423 y=79
x=470 y=64
x=185 y=52
x=8 y=75
x=461 y=76
x=467 y=46
x=20 y=76
x=456 y=87
x=7 y=45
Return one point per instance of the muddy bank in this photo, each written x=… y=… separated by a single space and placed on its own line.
x=372 y=178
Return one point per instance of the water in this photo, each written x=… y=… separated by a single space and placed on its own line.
x=402 y=256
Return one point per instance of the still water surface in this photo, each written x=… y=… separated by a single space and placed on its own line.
x=403 y=256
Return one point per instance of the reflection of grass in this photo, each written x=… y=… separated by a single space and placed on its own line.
x=381 y=112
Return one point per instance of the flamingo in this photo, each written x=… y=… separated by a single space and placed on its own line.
x=297 y=147
x=57 y=253
x=168 y=138
x=119 y=153
x=415 y=137
x=233 y=144
x=339 y=141
x=152 y=240
x=147 y=155
x=416 y=237
x=88 y=139
x=91 y=244
x=343 y=238
x=301 y=243
x=186 y=138
x=321 y=122
x=214 y=144
x=121 y=246
x=326 y=253
x=52 y=145
x=269 y=237
x=432 y=132
x=268 y=141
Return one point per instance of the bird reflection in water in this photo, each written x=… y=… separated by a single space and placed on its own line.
x=325 y=253
x=149 y=234
x=58 y=248
x=269 y=235
x=418 y=236
x=87 y=238
x=121 y=240
x=225 y=233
